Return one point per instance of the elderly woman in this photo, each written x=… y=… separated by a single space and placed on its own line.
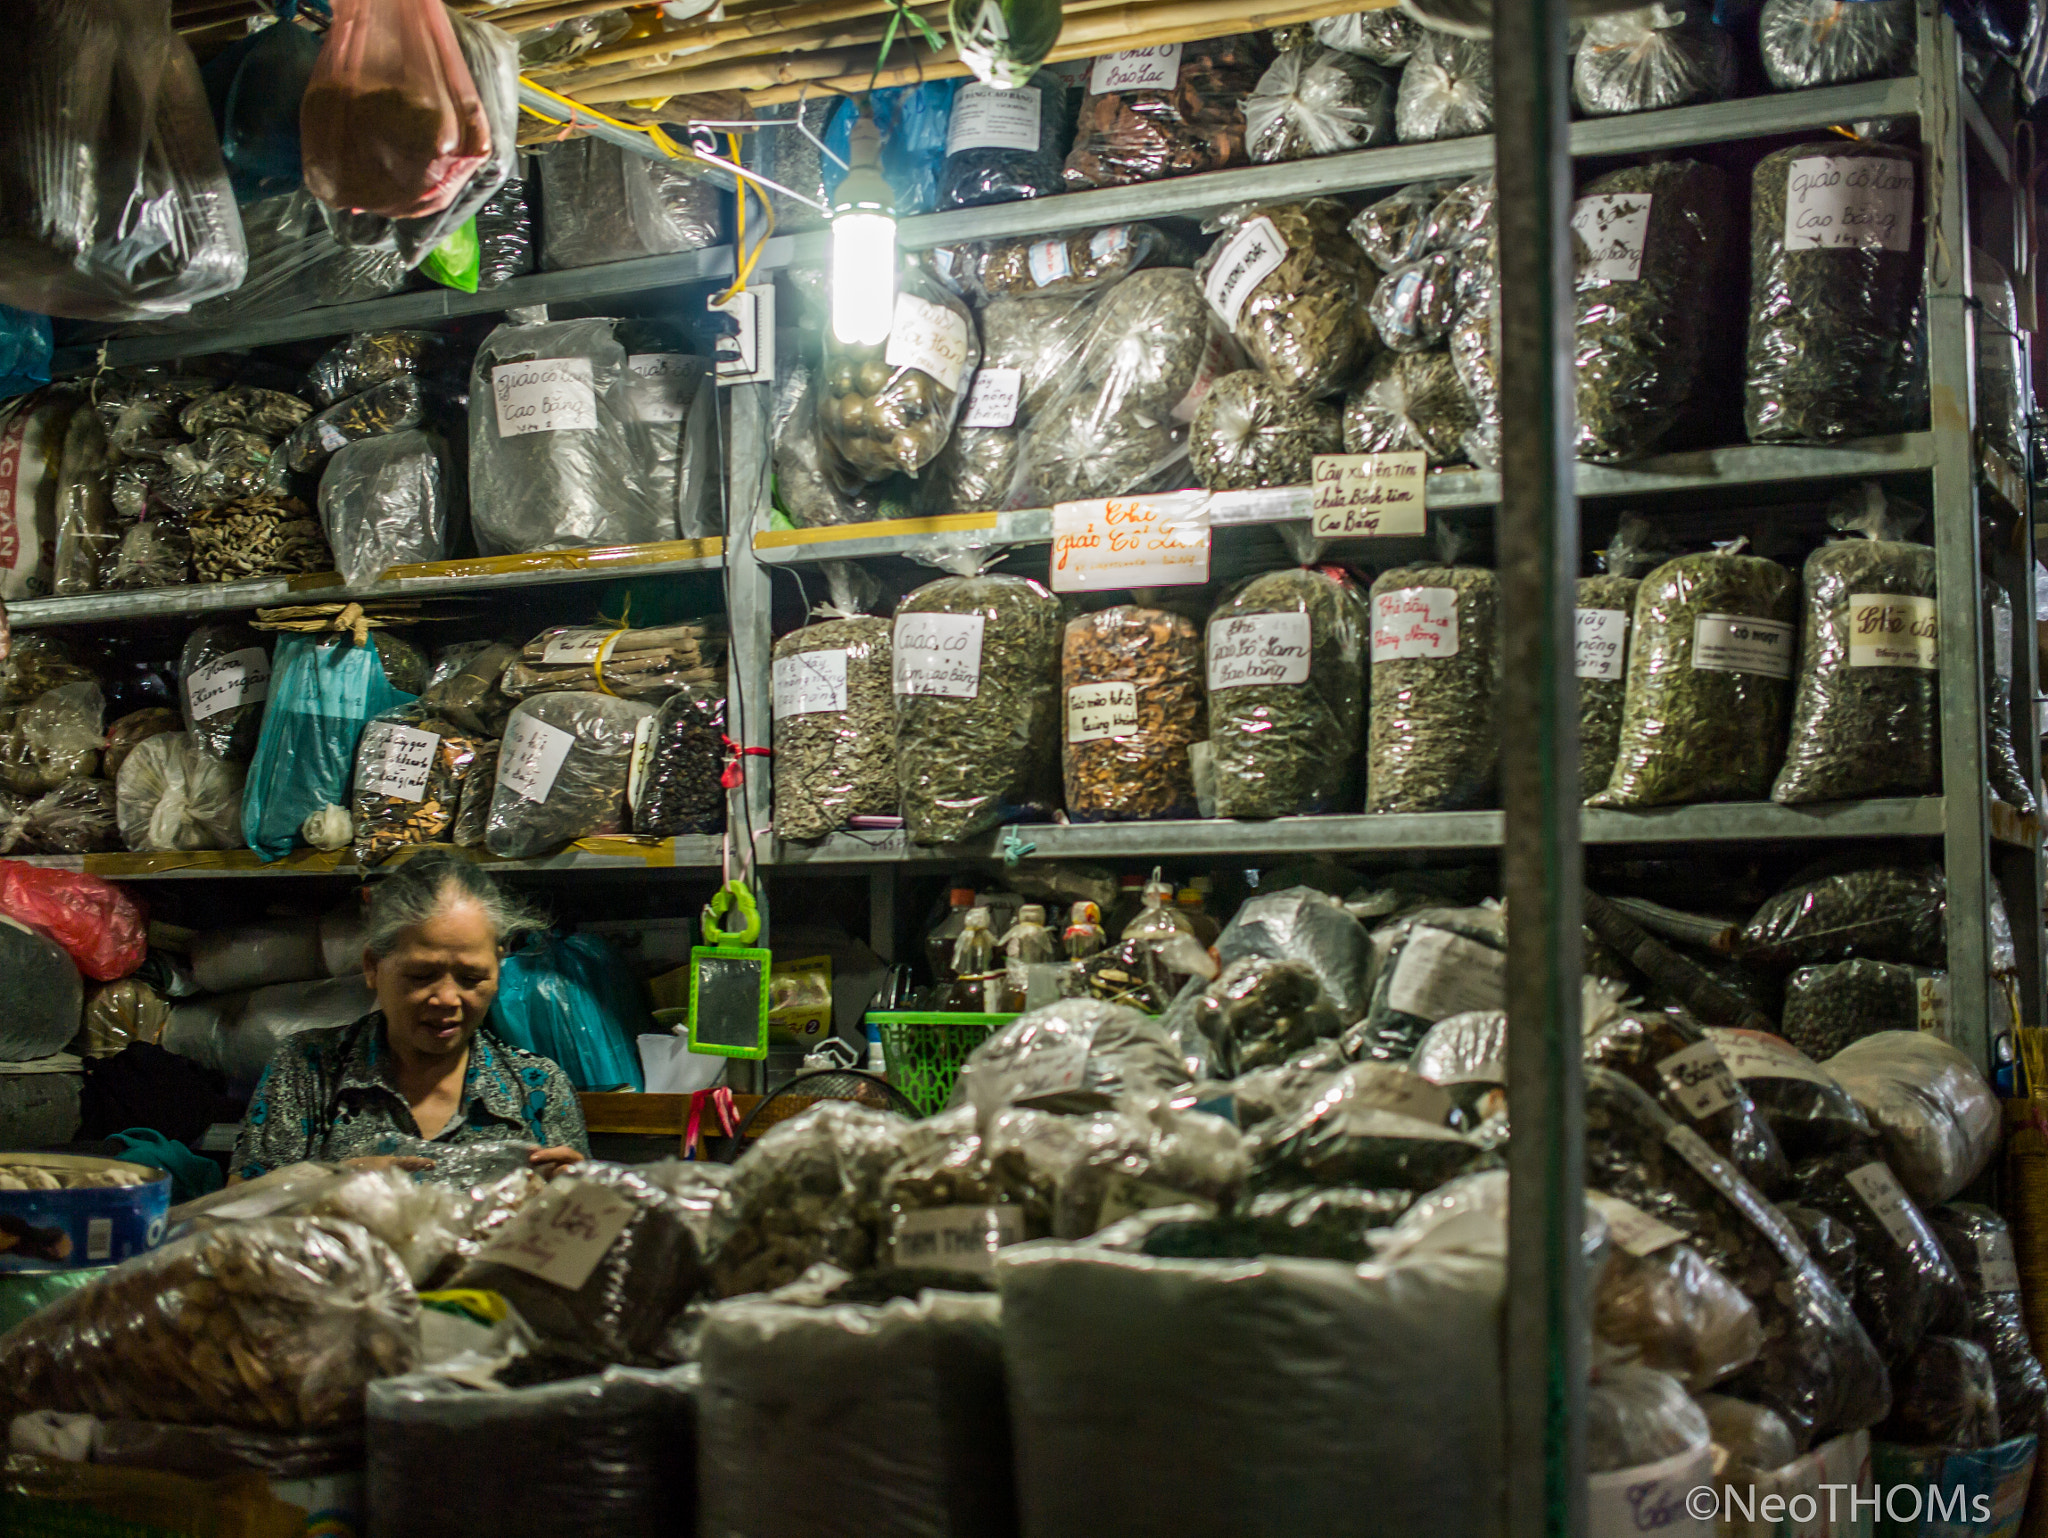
x=421 y=1066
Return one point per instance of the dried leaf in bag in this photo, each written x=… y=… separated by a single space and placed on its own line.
x=224 y=673
x=891 y=407
x=1315 y=100
x=1409 y=402
x=1131 y=682
x=1827 y=1007
x=1249 y=431
x=409 y=775
x=1289 y=282
x=835 y=726
x=1666 y=55
x=682 y=791
x=1446 y=89
x=1432 y=741
x=270 y=413
x=1605 y=617
x=1827 y=42
x=1394 y=230
x=1154 y=113
x=562 y=771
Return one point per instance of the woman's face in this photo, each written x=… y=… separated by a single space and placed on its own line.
x=436 y=985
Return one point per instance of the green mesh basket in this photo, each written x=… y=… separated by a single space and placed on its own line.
x=925 y=1050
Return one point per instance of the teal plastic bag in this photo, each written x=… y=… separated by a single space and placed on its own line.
x=254 y=87
x=913 y=120
x=573 y=999
x=322 y=694
x=1927 y=1493
x=24 y=351
x=193 y=1175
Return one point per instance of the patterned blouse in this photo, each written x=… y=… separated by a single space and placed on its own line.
x=333 y=1094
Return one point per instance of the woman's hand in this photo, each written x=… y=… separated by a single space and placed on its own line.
x=552 y=1161
x=388 y=1162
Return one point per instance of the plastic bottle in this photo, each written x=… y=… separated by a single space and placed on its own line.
x=940 y=942
x=1129 y=901
x=1084 y=935
x=977 y=984
x=1159 y=917
x=1028 y=944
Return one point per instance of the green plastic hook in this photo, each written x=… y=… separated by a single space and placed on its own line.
x=750 y=931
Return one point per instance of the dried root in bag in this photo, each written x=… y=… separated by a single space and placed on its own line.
x=1386 y=36
x=409 y=775
x=1936 y=1118
x=1287 y=673
x=1885 y=912
x=1433 y=745
x=270 y=413
x=1131 y=683
x=1945 y=1396
x=266 y=536
x=1315 y=100
x=1250 y=431
x=1261 y=1011
x=891 y=407
x=1060 y=266
x=649 y=664
x=169 y=795
x=1446 y=89
x=562 y=771
x=682 y=792
x=1148 y=117
x=1829 y=42
x=835 y=726
x=1831 y=1243
x=1665 y=55
x=1978 y=1241
x=1409 y=402
x=1289 y=282
x=1807 y=1111
x=1437 y=962
x=1708 y=682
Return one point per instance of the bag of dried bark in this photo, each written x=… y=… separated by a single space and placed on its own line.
x=1006 y=144
x=1410 y=401
x=1945 y=1396
x=1824 y=42
x=641 y=664
x=1374 y=1125
x=1286 y=657
x=1827 y=1007
x=1446 y=89
x=1605 y=618
x=1315 y=100
x=1386 y=36
x=1290 y=283
x=562 y=771
x=1251 y=431
x=1708 y=682
x=1937 y=1120
x=1884 y=912
x=409 y=776
x=1866 y=713
x=1807 y=1111
x=1152 y=113
x=835 y=724
x=1980 y=1244
x=1433 y=745
x=891 y=406
x=1665 y=55
x=975 y=665
x=681 y=792
x=1437 y=962
x=1661 y=1300
x=1131 y=682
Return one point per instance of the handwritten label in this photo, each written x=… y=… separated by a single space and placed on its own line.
x=1887 y=630
x=1735 y=643
x=1241 y=265
x=576 y=645
x=1096 y=711
x=639 y=762
x=930 y=337
x=1136 y=69
x=1047 y=260
x=1415 y=622
x=1439 y=974
x=1631 y=1229
x=1998 y=1270
x=1258 y=649
x=1930 y=999
x=1699 y=1080
x=1106 y=243
x=937 y=654
x=810 y=682
x=1363 y=496
x=993 y=398
x=1652 y=1498
x=562 y=1234
x=395 y=760
x=548 y=395
x=962 y=1239
x=1887 y=1201
x=663 y=385
x=1751 y=1055
x=1833 y=202
x=239 y=678
x=987 y=117
x=1613 y=227
x=532 y=756
x=1123 y=542
x=1602 y=643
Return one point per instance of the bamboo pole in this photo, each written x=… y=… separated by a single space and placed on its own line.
x=810 y=40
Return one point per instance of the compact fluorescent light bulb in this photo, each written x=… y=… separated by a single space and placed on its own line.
x=863 y=242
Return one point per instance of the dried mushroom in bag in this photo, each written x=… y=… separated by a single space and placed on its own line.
x=1437 y=962
x=1131 y=683
x=562 y=770
x=1157 y=112
x=1432 y=743
x=1665 y=55
x=1386 y=36
x=891 y=407
x=1835 y=284
x=1827 y=42
x=1708 y=682
x=1980 y=1244
x=1287 y=674
x=1289 y=282
x=1249 y=431
x=1409 y=402
x=1885 y=912
x=835 y=725
x=409 y=775
x=682 y=792
x=1446 y=89
x=1315 y=100
x=1827 y=1007
x=1375 y=1126
x=265 y=536
x=1807 y=1111
x=224 y=674
x=1005 y=144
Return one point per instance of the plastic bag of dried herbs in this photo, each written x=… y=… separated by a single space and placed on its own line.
x=835 y=724
x=390 y=407
x=473 y=815
x=1386 y=37
x=1409 y=401
x=1433 y=744
x=606 y=204
x=1250 y=431
x=1153 y=113
x=224 y=682
x=975 y=665
x=1885 y=912
x=1467 y=1056
x=681 y=791
x=1060 y=266
x=1605 y=617
x=1309 y=926
x=1376 y=1126
x=1662 y=1301
x=1829 y=42
x=386 y=501
x=1475 y=356
x=1131 y=680
x=409 y=775
x=1833 y=1248
x=791 y=155
x=169 y=795
x=2001 y=758
x=1980 y=1244
x=809 y=474
x=467 y=692
x=1945 y=1397
x=1648 y=243
x=1437 y=963
x=1446 y=89
x=1835 y=279
x=370 y=358
x=1002 y=145
x=269 y=412
x=1289 y=282
x=1260 y=1011
x=1318 y=101
x=1936 y=1118
x=1708 y=682
x=1031 y=1061
x=1287 y=673
x=890 y=407
x=1866 y=715
x=562 y=771
x=1395 y=230
x=1666 y=55
x=1827 y=1007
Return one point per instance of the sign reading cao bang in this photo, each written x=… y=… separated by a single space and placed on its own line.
x=1122 y=542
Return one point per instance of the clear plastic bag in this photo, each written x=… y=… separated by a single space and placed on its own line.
x=641 y=664
x=835 y=725
x=473 y=816
x=154 y=553
x=39 y=1015
x=681 y=793
x=1076 y=1056
x=119 y=1014
x=1665 y=1302
x=1945 y=1396
x=1446 y=89
x=1831 y=42
x=272 y=1325
x=1606 y=621
x=1832 y=313
x=467 y=691
x=53 y=738
x=1432 y=740
x=1301 y=317
x=1396 y=229
x=892 y=407
x=1063 y=267
x=1709 y=674
x=1886 y=912
x=809 y=474
x=1467 y=1055
x=1306 y=925
x=117 y=204
x=605 y=203
x=2001 y=757
x=76 y=817
x=1250 y=431
x=505 y=235
x=1807 y=1111
x=1261 y=1011
x=1827 y=1007
x=88 y=529
x=227 y=464
x=1415 y=305
x=1636 y=1415
x=1157 y=113
x=294 y=263
x=129 y=732
x=392 y=406
x=1666 y=55
x=1317 y=100
x=1409 y=402
x=1373 y=1125
x=1830 y=1241
x=172 y=796
x=392 y=122
x=1131 y=682
x=2005 y=395
x=571 y=999
x=562 y=772
x=1936 y=1118
x=224 y=674
x=385 y=502
x=976 y=668
x=1434 y=963
x=420 y=1221
x=791 y=156
x=410 y=771
x=1978 y=1241
x=1006 y=144
x=1386 y=37
x=1287 y=672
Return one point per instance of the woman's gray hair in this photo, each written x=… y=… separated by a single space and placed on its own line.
x=430 y=882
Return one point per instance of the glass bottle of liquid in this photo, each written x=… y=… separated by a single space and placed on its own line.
x=977 y=983
x=940 y=942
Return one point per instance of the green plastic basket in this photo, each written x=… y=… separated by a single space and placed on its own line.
x=925 y=1050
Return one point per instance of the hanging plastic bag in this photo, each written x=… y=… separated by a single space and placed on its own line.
x=1003 y=144
x=1251 y=431
x=1831 y=42
x=562 y=772
x=571 y=998
x=892 y=407
x=1318 y=101
x=255 y=87
x=295 y=263
x=1666 y=55
x=171 y=796
x=1289 y=282
x=1004 y=41
x=1446 y=89
x=98 y=924
x=392 y=122
x=385 y=502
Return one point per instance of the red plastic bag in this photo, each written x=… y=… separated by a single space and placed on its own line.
x=391 y=123
x=102 y=927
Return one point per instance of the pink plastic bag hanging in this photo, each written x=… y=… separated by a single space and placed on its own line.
x=391 y=123
x=104 y=930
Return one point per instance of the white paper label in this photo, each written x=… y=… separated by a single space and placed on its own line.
x=1887 y=1201
x=1106 y=243
x=532 y=756
x=993 y=398
x=239 y=678
x=1735 y=643
x=938 y=654
x=2001 y=644
x=1414 y=622
x=1602 y=644
x=1096 y=711
x=1931 y=1005
x=1126 y=542
x=548 y=395
x=1750 y=1056
x=930 y=337
x=810 y=682
x=1699 y=1080
x=1627 y=1503
x=1126 y=1195
x=1633 y=1230
x=1613 y=227
x=1439 y=974
x=1997 y=1268
x=1834 y=201
x=332 y=438
x=1887 y=630
x=1136 y=69
x=1246 y=258
x=1258 y=649
x=1047 y=260
x=963 y=1239
x=987 y=117
x=1363 y=496
x=573 y=646
x=396 y=760
x=561 y=1234
x=641 y=761
x=663 y=394
x=1400 y=1092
